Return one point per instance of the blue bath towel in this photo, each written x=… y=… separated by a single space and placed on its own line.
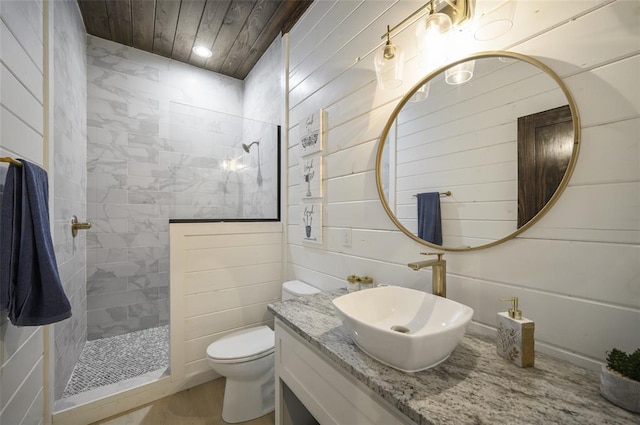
x=429 y=220
x=30 y=286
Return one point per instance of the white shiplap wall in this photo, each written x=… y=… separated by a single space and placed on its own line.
x=223 y=276
x=577 y=271
x=21 y=135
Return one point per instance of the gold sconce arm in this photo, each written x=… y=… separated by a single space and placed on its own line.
x=458 y=10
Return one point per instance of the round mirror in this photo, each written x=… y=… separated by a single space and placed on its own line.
x=477 y=151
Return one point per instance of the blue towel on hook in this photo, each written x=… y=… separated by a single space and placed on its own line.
x=429 y=220
x=30 y=286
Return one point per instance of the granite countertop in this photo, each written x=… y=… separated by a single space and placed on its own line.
x=473 y=386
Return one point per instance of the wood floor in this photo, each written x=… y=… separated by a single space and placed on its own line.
x=201 y=405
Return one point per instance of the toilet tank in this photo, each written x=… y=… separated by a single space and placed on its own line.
x=295 y=288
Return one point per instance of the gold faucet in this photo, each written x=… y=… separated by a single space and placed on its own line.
x=438 y=274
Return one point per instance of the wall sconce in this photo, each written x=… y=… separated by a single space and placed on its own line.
x=430 y=34
x=460 y=74
x=389 y=64
x=442 y=16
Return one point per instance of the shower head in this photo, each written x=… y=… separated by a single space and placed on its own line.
x=248 y=147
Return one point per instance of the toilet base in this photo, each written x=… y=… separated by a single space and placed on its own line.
x=247 y=400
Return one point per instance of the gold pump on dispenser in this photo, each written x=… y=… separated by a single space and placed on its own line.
x=515 y=336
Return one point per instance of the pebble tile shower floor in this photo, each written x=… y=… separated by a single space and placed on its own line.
x=109 y=360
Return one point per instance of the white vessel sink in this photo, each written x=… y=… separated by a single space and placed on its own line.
x=406 y=329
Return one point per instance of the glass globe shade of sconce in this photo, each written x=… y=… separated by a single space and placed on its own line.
x=421 y=94
x=460 y=73
x=430 y=34
x=389 y=65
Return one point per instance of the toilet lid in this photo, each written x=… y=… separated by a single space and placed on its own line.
x=242 y=344
x=297 y=287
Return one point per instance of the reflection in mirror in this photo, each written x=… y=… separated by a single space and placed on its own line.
x=503 y=143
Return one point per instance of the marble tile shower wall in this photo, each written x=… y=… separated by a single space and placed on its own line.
x=139 y=165
x=263 y=96
x=260 y=177
x=211 y=175
x=202 y=145
x=69 y=181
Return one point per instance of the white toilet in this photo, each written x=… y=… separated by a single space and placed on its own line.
x=246 y=359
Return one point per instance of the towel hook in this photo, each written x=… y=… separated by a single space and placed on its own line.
x=10 y=160
x=75 y=226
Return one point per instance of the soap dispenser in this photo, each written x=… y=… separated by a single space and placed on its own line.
x=515 y=336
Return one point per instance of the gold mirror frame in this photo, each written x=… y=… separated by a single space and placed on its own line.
x=563 y=183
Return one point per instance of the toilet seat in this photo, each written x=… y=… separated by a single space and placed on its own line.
x=243 y=346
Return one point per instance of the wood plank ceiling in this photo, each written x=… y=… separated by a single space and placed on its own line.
x=237 y=31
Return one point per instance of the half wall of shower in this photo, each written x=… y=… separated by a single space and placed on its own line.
x=164 y=143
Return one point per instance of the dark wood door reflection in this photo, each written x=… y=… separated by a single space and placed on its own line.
x=545 y=145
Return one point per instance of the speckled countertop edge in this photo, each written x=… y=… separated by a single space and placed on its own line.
x=474 y=386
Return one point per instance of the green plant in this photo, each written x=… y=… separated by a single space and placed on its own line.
x=625 y=364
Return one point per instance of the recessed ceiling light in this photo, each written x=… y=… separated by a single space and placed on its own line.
x=202 y=51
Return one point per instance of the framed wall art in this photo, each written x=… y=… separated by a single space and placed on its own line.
x=311 y=177
x=311 y=223
x=311 y=133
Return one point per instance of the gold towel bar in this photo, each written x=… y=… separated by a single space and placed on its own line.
x=11 y=161
x=447 y=193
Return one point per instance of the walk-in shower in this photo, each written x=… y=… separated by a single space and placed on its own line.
x=184 y=176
